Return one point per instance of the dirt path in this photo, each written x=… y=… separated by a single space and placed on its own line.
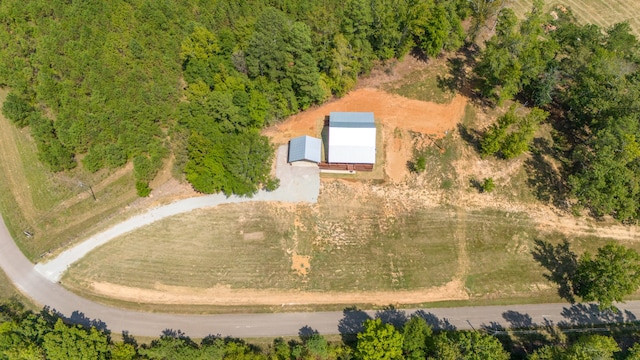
x=221 y=295
x=11 y=165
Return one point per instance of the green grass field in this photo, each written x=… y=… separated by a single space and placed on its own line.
x=353 y=247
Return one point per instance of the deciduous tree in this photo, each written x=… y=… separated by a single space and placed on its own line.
x=608 y=276
x=379 y=341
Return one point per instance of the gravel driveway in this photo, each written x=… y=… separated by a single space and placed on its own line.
x=297 y=184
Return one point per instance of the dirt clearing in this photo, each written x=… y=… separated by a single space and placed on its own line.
x=398 y=116
x=392 y=111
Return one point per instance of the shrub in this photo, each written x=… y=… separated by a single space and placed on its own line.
x=142 y=188
x=488 y=185
x=17 y=109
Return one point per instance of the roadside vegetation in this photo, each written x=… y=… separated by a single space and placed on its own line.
x=390 y=334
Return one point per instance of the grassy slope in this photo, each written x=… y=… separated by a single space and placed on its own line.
x=8 y=292
x=367 y=253
x=600 y=12
x=52 y=205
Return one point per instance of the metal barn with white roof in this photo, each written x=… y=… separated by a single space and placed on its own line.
x=352 y=138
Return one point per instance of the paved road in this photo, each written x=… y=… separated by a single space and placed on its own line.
x=43 y=291
x=37 y=284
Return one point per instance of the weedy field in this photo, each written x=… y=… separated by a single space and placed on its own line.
x=603 y=13
x=60 y=209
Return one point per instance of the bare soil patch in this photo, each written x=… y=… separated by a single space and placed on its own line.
x=392 y=111
x=301 y=264
x=399 y=116
x=224 y=295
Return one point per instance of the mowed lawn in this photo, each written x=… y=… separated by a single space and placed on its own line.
x=351 y=248
x=603 y=13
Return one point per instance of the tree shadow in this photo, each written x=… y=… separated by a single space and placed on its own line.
x=546 y=180
x=518 y=320
x=435 y=322
x=172 y=334
x=176 y=334
x=351 y=324
x=493 y=328
x=526 y=336
x=411 y=166
x=306 y=332
x=476 y=184
x=458 y=77
x=393 y=316
x=419 y=54
x=129 y=339
x=591 y=314
x=561 y=264
x=78 y=317
x=210 y=339
x=470 y=136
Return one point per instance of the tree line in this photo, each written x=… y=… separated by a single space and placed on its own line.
x=390 y=335
x=586 y=80
x=107 y=82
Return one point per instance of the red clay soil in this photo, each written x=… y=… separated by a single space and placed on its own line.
x=393 y=111
x=398 y=115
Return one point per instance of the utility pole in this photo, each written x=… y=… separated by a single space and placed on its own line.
x=83 y=185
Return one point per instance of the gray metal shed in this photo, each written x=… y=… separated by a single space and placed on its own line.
x=305 y=148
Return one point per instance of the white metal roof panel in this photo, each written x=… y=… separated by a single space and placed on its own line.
x=352 y=145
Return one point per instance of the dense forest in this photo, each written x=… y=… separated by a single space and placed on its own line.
x=102 y=83
x=390 y=335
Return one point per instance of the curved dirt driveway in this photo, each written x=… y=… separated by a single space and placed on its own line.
x=297 y=184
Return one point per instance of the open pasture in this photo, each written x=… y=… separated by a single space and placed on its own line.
x=603 y=13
